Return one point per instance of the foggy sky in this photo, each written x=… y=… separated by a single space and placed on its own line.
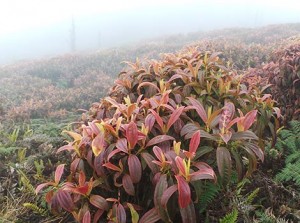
x=32 y=30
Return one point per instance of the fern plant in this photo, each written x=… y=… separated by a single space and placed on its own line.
x=289 y=142
x=230 y=217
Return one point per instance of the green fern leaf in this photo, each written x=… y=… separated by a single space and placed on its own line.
x=231 y=217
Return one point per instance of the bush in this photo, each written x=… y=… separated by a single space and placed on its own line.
x=165 y=127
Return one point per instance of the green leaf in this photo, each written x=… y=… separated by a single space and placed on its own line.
x=134 y=215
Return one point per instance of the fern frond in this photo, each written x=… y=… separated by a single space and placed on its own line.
x=26 y=182
x=230 y=217
x=211 y=190
x=251 y=196
x=295 y=126
x=290 y=173
x=36 y=209
x=293 y=158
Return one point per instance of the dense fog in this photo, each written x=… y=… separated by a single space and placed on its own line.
x=31 y=29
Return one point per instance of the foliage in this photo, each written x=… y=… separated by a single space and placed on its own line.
x=230 y=217
x=268 y=217
x=53 y=87
x=289 y=143
x=283 y=73
x=158 y=129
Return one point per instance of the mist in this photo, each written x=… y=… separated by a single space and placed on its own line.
x=31 y=29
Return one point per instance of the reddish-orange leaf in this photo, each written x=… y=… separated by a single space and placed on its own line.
x=157 y=118
x=41 y=186
x=83 y=190
x=112 y=167
x=158 y=153
x=86 y=217
x=49 y=196
x=132 y=134
x=58 y=173
x=195 y=141
x=180 y=165
x=81 y=178
x=249 y=119
x=184 y=198
x=174 y=117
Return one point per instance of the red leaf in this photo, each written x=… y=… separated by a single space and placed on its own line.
x=244 y=135
x=135 y=168
x=74 y=165
x=255 y=148
x=68 y=147
x=249 y=119
x=149 y=84
x=167 y=194
x=128 y=185
x=184 y=198
x=226 y=116
x=112 y=153
x=112 y=167
x=204 y=172
x=174 y=117
x=157 y=118
x=98 y=165
x=58 y=173
x=223 y=161
x=132 y=134
x=65 y=200
x=99 y=202
x=41 y=186
x=49 y=196
x=188 y=214
x=82 y=178
x=150 y=216
x=199 y=109
x=180 y=165
x=159 y=139
x=80 y=190
x=226 y=136
x=98 y=215
x=149 y=121
x=195 y=141
x=121 y=214
x=122 y=145
x=148 y=159
x=87 y=217
x=158 y=153
x=160 y=187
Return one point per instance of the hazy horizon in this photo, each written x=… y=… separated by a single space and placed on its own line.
x=33 y=29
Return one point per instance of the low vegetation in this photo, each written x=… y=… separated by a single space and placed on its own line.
x=209 y=133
